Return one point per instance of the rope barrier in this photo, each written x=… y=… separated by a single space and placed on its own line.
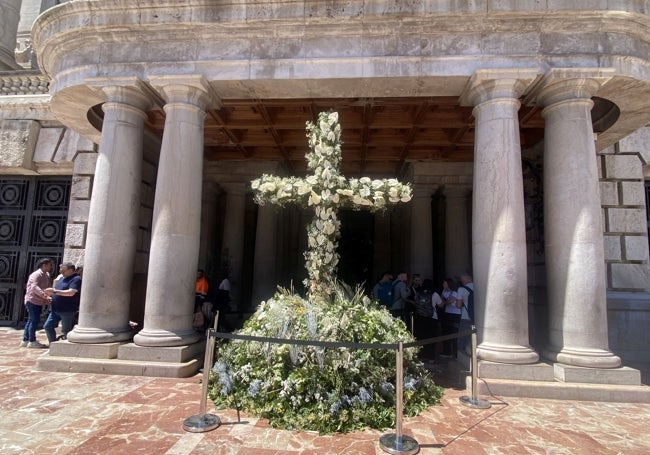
x=394 y=443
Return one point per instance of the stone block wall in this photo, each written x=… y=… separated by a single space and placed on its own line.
x=624 y=215
x=623 y=169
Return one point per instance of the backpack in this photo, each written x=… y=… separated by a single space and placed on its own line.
x=423 y=304
x=385 y=294
x=199 y=321
x=470 y=303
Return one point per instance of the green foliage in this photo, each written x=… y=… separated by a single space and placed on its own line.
x=314 y=388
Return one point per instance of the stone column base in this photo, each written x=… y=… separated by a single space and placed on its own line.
x=591 y=358
x=123 y=359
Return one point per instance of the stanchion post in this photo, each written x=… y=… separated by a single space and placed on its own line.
x=474 y=401
x=202 y=422
x=397 y=443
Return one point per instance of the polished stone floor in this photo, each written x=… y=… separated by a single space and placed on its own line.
x=73 y=413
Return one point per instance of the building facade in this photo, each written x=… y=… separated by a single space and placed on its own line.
x=521 y=126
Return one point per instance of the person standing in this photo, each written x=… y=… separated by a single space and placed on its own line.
x=65 y=302
x=35 y=299
x=382 y=292
x=200 y=289
x=450 y=317
x=465 y=298
x=400 y=296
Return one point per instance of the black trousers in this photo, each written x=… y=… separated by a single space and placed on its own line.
x=450 y=325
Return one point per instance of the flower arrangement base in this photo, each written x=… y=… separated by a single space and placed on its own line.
x=307 y=387
x=404 y=445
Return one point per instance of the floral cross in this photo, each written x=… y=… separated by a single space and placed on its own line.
x=326 y=190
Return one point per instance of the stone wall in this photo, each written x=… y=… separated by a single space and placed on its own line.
x=625 y=227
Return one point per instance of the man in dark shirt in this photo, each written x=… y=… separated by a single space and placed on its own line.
x=65 y=302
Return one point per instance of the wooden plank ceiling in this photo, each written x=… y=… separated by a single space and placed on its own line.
x=379 y=135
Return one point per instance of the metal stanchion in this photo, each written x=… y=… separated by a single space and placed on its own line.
x=200 y=423
x=474 y=401
x=396 y=443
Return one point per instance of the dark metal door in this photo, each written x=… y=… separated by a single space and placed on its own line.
x=33 y=217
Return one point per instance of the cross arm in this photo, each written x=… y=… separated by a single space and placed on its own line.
x=280 y=190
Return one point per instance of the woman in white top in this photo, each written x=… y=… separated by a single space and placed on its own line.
x=450 y=317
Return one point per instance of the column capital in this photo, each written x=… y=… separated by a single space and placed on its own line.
x=130 y=91
x=562 y=84
x=456 y=191
x=190 y=89
x=235 y=188
x=489 y=84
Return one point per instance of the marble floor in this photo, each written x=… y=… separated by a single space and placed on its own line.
x=73 y=413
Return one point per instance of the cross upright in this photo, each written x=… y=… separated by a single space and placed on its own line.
x=326 y=190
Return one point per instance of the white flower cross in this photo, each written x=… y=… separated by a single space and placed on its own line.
x=326 y=190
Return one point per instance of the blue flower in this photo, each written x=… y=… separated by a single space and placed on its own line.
x=254 y=388
x=410 y=383
x=364 y=395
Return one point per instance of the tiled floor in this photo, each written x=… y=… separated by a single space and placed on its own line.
x=73 y=413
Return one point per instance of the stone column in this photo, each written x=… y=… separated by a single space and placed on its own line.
x=113 y=217
x=498 y=231
x=575 y=264
x=233 y=233
x=9 y=19
x=175 y=236
x=421 y=236
x=264 y=281
x=457 y=239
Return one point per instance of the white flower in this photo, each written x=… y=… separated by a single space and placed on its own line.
x=344 y=192
x=267 y=187
x=329 y=228
x=314 y=199
x=303 y=188
x=324 y=127
x=333 y=117
x=255 y=184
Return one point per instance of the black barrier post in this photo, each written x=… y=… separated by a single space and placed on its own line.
x=397 y=443
x=202 y=422
x=473 y=401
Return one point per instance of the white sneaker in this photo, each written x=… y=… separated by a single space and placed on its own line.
x=23 y=344
x=36 y=344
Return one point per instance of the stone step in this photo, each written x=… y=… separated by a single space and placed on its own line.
x=118 y=366
x=560 y=390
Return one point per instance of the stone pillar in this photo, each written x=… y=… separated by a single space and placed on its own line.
x=264 y=277
x=9 y=19
x=113 y=217
x=233 y=233
x=457 y=239
x=575 y=264
x=421 y=236
x=175 y=236
x=498 y=232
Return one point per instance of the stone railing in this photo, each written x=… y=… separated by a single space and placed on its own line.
x=23 y=83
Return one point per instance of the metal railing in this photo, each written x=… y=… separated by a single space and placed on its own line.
x=394 y=443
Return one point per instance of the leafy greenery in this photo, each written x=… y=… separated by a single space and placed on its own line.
x=315 y=388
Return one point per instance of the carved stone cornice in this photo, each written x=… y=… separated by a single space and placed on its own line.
x=24 y=84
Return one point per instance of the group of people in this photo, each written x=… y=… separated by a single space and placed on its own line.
x=61 y=295
x=207 y=302
x=429 y=312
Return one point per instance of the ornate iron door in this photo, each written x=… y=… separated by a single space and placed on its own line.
x=33 y=217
